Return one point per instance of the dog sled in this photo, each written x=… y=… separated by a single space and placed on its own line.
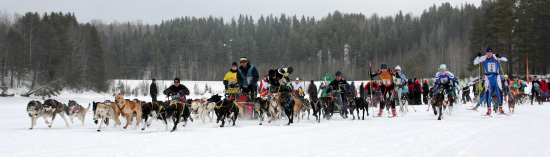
x=246 y=102
x=333 y=103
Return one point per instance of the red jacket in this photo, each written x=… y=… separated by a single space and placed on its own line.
x=544 y=86
x=417 y=83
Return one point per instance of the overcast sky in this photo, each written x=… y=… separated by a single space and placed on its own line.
x=154 y=11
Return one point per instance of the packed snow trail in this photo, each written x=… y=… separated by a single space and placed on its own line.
x=464 y=133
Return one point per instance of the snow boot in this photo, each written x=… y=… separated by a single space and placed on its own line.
x=501 y=111
x=393 y=110
x=489 y=111
x=380 y=113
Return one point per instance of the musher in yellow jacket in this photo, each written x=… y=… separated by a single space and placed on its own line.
x=230 y=81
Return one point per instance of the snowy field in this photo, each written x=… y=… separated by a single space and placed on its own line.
x=464 y=133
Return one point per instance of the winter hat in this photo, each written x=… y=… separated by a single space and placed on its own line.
x=290 y=70
x=244 y=59
x=272 y=72
x=154 y=80
x=383 y=66
x=489 y=49
x=397 y=67
x=234 y=64
x=265 y=74
x=297 y=79
x=338 y=73
x=176 y=80
x=443 y=67
x=328 y=74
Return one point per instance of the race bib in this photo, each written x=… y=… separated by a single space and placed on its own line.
x=492 y=67
x=397 y=81
x=386 y=81
x=444 y=80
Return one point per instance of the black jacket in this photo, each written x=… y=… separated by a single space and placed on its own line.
x=362 y=91
x=276 y=82
x=417 y=87
x=173 y=90
x=312 y=90
x=153 y=89
x=425 y=88
x=335 y=85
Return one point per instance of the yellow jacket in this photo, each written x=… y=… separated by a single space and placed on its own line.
x=231 y=78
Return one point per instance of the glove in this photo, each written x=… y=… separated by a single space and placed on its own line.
x=479 y=54
x=232 y=85
x=286 y=74
x=498 y=56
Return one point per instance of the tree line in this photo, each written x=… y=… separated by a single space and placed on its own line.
x=46 y=53
x=41 y=49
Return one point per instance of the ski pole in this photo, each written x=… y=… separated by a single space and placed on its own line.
x=370 y=84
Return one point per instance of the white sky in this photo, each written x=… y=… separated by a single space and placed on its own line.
x=154 y=11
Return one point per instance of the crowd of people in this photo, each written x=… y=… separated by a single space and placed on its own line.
x=392 y=84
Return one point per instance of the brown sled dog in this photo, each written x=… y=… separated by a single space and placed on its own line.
x=126 y=108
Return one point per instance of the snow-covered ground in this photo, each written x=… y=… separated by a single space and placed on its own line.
x=464 y=133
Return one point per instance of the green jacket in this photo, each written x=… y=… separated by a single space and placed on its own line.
x=327 y=81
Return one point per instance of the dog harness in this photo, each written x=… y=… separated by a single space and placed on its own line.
x=159 y=106
x=62 y=106
x=120 y=108
x=176 y=103
x=76 y=111
x=221 y=105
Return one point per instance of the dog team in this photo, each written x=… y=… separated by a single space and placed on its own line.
x=131 y=110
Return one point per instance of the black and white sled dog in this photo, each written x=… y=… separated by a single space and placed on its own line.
x=35 y=111
x=176 y=110
x=356 y=104
x=53 y=107
x=262 y=105
x=155 y=110
x=78 y=111
x=316 y=106
x=225 y=109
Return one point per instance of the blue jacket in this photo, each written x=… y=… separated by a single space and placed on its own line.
x=249 y=71
x=491 y=64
